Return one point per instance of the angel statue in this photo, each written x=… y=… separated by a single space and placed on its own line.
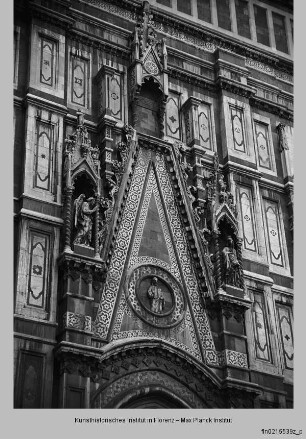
x=83 y=219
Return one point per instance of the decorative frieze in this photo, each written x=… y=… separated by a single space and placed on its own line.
x=77 y=321
x=209 y=43
x=113 y=9
x=234 y=358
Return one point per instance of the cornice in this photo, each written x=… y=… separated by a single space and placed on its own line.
x=105 y=45
x=269 y=107
x=99 y=23
x=50 y=15
x=237 y=168
x=40 y=216
x=192 y=33
x=209 y=40
x=31 y=99
x=235 y=87
x=194 y=79
x=128 y=9
x=272 y=185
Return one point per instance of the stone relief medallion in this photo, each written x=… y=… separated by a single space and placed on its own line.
x=155 y=296
x=151 y=67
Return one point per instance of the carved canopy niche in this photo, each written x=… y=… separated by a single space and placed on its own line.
x=148 y=77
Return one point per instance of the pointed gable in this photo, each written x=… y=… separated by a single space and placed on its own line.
x=152 y=244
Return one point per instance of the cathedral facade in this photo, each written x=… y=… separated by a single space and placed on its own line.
x=153 y=202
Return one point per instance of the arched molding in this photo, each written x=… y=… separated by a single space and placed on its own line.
x=126 y=366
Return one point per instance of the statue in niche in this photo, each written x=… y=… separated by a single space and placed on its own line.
x=204 y=232
x=231 y=265
x=83 y=219
x=223 y=189
x=156 y=297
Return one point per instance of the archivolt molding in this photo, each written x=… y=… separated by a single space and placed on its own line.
x=122 y=366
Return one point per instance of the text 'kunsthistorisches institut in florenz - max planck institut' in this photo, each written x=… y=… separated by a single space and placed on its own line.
x=153 y=201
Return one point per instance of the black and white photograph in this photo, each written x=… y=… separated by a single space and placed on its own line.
x=153 y=174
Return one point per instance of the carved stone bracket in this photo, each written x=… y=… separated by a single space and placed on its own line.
x=228 y=306
x=74 y=266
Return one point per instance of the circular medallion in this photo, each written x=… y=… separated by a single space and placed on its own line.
x=155 y=296
x=151 y=67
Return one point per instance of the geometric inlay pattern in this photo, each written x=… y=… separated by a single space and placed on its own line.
x=139 y=379
x=180 y=267
x=110 y=291
x=181 y=245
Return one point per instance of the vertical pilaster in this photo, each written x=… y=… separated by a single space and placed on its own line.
x=233 y=17
x=271 y=29
x=68 y=213
x=239 y=257
x=252 y=21
x=289 y=35
x=214 y=14
x=62 y=390
x=97 y=218
x=218 y=260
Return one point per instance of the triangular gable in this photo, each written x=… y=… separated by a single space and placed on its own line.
x=151 y=62
x=122 y=312
x=153 y=241
x=224 y=211
x=83 y=165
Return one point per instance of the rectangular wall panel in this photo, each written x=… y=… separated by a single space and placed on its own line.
x=44 y=155
x=48 y=61
x=79 y=81
x=205 y=126
x=114 y=95
x=274 y=232
x=237 y=121
x=30 y=383
x=286 y=333
x=75 y=398
x=38 y=269
x=262 y=345
x=263 y=145
x=247 y=218
x=172 y=116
